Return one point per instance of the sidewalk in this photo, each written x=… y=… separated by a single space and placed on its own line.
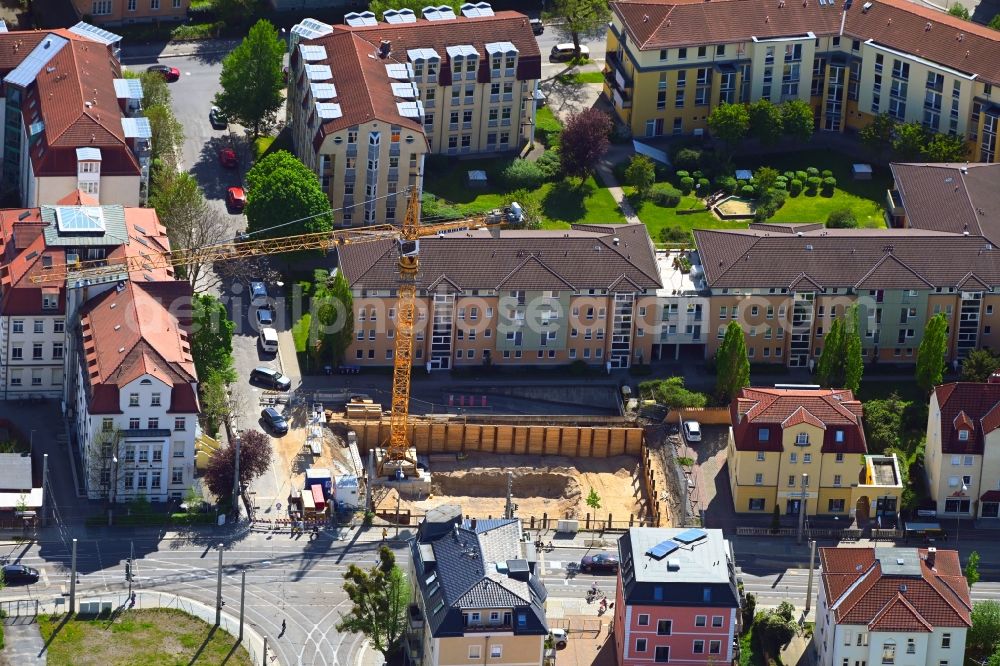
x=23 y=644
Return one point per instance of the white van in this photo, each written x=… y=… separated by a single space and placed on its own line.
x=258 y=294
x=269 y=340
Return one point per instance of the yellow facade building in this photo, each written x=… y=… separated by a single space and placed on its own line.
x=670 y=62
x=804 y=449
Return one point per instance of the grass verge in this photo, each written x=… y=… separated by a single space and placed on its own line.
x=155 y=636
x=579 y=78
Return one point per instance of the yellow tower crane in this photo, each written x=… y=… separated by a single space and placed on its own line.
x=408 y=241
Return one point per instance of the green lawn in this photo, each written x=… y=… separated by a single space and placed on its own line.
x=864 y=197
x=579 y=78
x=686 y=215
x=161 y=636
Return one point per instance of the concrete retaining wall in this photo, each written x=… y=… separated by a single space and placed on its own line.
x=703 y=415
x=587 y=393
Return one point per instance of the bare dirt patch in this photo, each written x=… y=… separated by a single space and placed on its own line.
x=554 y=485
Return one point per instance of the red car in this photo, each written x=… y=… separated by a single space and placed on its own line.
x=171 y=74
x=236 y=199
x=227 y=158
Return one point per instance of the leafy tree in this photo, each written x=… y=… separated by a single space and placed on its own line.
x=945 y=148
x=994 y=22
x=797 y=119
x=877 y=134
x=979 y=365
x=884 y=423
x=730 y=123
x=212 y=338
x=994 y=659
x=191 y=223
x=909 y=140
x=931 y=353
x=831 y=365
x=581 y=18
x=765 y=121
x=236 y=12
x=671 y=392
x=983 y=637
x=732 y=366
x=214 y=402
x=379 y=597
x=971 y=570
x=333 y=314
x=764 y=179
x=252 y=79
x=255 y=459
x=842 y=218
x=640 y=174
x=167 y=133
x=283 y=190
x=959 y=10
x=749 y=610
x=775 y=630
x=584 y=142
x=776 y=518
x=854 y=362
x=593 y=499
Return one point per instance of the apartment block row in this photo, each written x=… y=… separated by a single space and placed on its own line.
x=369 y=100
x=669 y=63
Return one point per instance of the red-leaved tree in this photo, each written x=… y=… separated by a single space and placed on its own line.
x=255 y=459
x=584 y=142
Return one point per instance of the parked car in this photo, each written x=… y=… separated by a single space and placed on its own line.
x=559 y=638
x=171 y=74
x=692 y=431
x=227 y=158
x=561 y=52
x=536 y=26
x=236 y=199
x=218 y=118
x=268 y=340
x=258 y=294
x=269 y=378
x=599 y=563
x=274 y=420
x=18 y=574
x=264 y=316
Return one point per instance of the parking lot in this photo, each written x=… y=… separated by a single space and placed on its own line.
x=710 y=490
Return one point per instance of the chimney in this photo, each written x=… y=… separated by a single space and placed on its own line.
x=384 y=47
x=472 y=523
x=931 y=556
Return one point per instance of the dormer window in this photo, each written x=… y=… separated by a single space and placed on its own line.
x=963 y=435
x=802 y=439
x=763 y=435
x=838 y=436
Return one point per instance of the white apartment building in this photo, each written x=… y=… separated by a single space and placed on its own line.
x=890 y=606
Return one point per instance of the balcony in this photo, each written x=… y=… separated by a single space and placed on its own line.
x=415 y=617
x=619 y=74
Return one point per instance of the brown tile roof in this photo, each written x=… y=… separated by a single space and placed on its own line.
x=364 y=89
x=865 y=586
x=845 y=258
x=971 y=405
x=757 y=408
x=897 y=24
x=584 y=257
x=133 y=332
x=951 y=197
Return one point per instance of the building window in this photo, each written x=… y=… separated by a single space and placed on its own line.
x=717 y=620
x=640 y=645
x=663 y=627
x=176 y=475
x=17 y=353
x=475 y=652
x=662 y=654
x=154 y=401
x=157 y=455
x=39 y=325
x=698 y=647
x=496 y=651
x=758 y=479
x=802 y=439
x=154 y=423
x=154 y=5
x=760 y=456
x=756 y=504
x=133 y=399
x=108 y=424
x=715 y=647
x=144 y=455
x=644 y=620
x=37 y=350
x=700 y=620
x=101 y=7
x=889 y=652
x=836 y=506
x=134 y=424
x=946 y=640
x=57 y=350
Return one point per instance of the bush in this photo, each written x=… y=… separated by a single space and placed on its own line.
x=813 y=183
x=523 y=174
x=768 y=204
x=741 y=183
x=548 y=163
x=789 y=175
x=664 y=194
x=795 y=187
x=697 y=175
x=687 y=184
x=812 y=171
x=826 y=173
x=801 y=175
x=681 y=173
x=842 y=218
x=747 y=191
x=781 y=185
x=687 y=158
x=703 y=184
x=727 y=184
x=675 y=236
x=829 y=184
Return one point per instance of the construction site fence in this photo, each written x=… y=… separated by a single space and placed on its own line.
x=848 y=534
x=461 y=435
x=656 y=512
x=703 y=415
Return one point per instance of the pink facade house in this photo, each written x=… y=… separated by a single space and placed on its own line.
x=677 y=599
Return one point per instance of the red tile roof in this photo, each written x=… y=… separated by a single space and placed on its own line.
x=967 y=405
x=774 y=409
x=896 y=24
x=865 y=586
x=133 y=332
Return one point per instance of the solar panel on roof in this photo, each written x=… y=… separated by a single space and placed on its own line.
x=472 y=10
x=360 y=20
x=137 y=128
x=398 y=71
x=323 y=91
x=128 y=89
x=404 y=15
x=312 y=52
x=95 y=33
x=311 y=29
x=690 y=536
x=26 y=73
x=662 y=549
x=328 y=111
x=319 y=72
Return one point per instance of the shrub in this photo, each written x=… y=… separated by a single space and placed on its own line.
x=826 y=173
x=687 y=158
x=747 y=191
x=681 y=173
x=813 y=183
x=829 y=184
x=703 y=184
x=687 y=184
x=812 y=171
x=727 y=184
x=789 y=175
x=740 y=183
x=523 y=174
x=697 y=175
x=768 y=204
x=801 y=175
x=675 y=236
x=842 y=218
x=664 y=194
x=794 y=187
x=781 y=184
x=548 y=163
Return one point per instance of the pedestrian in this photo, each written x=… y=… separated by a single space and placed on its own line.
x=385 y=533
